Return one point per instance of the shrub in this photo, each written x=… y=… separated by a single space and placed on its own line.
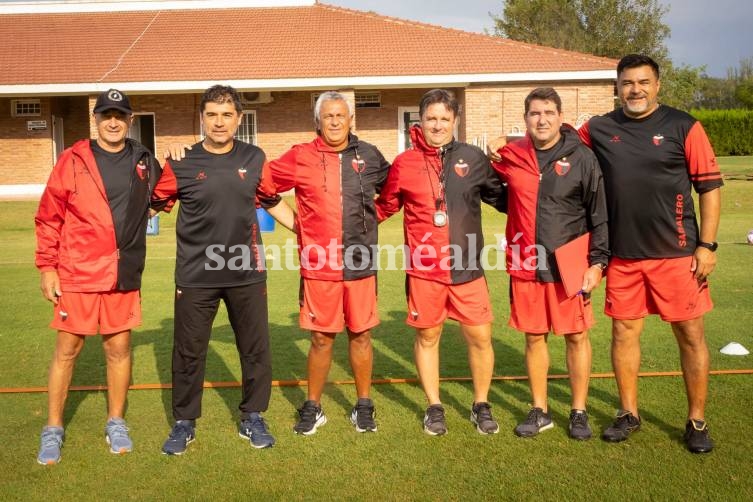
x=730 y=131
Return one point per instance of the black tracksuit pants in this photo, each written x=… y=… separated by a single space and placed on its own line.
x=195 y=310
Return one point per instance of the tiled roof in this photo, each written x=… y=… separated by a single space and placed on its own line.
x=256 y=43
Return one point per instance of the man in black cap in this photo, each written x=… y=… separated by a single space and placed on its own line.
x=91 y=246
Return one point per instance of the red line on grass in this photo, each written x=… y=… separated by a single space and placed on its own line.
x=378 y=381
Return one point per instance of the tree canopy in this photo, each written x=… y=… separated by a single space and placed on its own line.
x=608 y=28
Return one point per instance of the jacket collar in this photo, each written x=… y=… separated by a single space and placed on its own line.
x=419 y=142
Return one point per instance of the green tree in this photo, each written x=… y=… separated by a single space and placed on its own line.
x=608 y=28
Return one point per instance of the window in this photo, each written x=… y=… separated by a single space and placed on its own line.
x=368 y=100
x=247 y=130
x=25 y=108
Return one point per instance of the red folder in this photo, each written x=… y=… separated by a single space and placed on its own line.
x=572 y=262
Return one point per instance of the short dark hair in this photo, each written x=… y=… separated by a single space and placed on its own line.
x=544 y=94
x=435 y=96
x=636 y=60
x=221 y=94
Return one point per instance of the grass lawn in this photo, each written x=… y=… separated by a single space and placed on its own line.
x=399 y=462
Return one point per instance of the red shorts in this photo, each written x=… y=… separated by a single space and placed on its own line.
x=431 y=302
x=89 y=313
x=329 y=306
x=539 y=307
x=636 y=288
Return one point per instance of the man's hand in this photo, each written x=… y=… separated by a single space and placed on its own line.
x=50 y=286
x=493 y=146
x=703 y=263
x=591 y=278
x=176 y=151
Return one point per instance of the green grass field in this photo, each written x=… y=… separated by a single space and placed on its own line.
x=399 y=462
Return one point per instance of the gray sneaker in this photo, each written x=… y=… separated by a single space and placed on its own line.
x=579 y=428
x=51 y=441
x=254 y=428
x=181 y=435
x=311 y=418
x=116 y=435
x=434 y=422
x=624 y=424
x=481 y=416
x=536 y=421
x=362 y=415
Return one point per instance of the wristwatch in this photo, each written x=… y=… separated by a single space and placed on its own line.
x=711 y=246
x=602 y=266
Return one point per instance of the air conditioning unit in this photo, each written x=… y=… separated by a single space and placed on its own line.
x=256 y=98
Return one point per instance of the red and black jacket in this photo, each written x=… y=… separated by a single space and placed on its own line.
x=336 y=218
x=551 y=205
x=450 y=254
x=75 y=232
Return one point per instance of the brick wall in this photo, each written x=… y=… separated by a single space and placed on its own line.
x=491 y=110
x=497 y=110
x=25 y=156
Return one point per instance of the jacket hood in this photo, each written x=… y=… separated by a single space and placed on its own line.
x=322 y=146
x=418 y=140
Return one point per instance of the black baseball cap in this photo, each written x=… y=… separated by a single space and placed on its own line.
x=112 y=99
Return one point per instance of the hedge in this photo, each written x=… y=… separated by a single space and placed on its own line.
x=730 y=131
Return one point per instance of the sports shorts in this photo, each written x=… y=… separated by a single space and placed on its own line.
x=91 y=313
x=431 y=302
x=330 y=306
x=540 y=307
x=667 y=287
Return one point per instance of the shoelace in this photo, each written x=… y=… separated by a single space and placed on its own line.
x=180 y=431
x=364 y=414
x=257 y=425
x=579 y=419
x=117 y=431
x=533 y=417
x=50 y=440
x=484 y=413
x=308 y=413
x=623 y=421
x=434 y=415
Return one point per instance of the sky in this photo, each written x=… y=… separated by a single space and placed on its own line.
x=717 y=33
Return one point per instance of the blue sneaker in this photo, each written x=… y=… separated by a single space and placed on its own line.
x=180 y=436
x=50 y=443
x=254 y=428
x=116 y=435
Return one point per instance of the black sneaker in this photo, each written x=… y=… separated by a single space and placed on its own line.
x=181 y=435
x=536 y=421
x=363 y=415
x=697 y=437
x=312 y=417
x=434 y=424
x=481 y=416
x=579 y=428
x=254 y=428
x=624 y=424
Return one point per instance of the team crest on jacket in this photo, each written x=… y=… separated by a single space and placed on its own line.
x=562 y=167
x=201 y=176
x=658 y=139
x=242 y=173
x=359 y=165
x=461 y=168
x=141 y=171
